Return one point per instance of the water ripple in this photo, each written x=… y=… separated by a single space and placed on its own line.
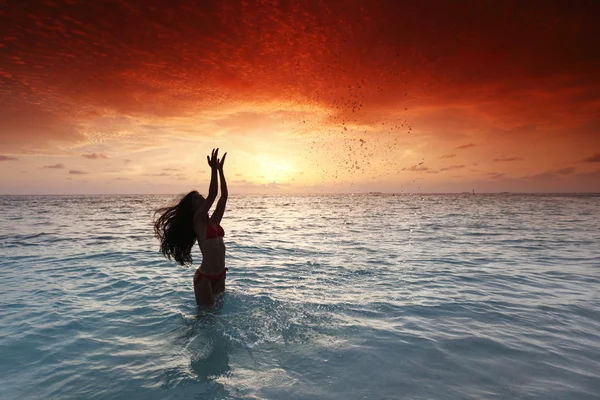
x=418 y=297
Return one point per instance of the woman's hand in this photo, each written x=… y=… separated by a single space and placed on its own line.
x=213 y=161
x=221 y=162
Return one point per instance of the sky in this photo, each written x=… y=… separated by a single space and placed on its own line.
x=306 y=96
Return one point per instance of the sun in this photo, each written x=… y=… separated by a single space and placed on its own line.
x=275 y=170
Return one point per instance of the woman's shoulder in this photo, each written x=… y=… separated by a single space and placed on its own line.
x=200 y=217
x=200 y=221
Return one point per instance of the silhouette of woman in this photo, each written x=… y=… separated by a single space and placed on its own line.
x=179 y=227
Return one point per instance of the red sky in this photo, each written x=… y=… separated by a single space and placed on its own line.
x=306 y=96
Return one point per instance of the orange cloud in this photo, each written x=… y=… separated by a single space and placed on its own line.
x=452 y=167
x=553 y=174
x=417 y=168
x=592 y=159
x=93 y=156
x=507 y=159
x=372 y=87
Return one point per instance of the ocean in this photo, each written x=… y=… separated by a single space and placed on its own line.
x=372 y=296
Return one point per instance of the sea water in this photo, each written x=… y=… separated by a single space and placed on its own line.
x=328 y=297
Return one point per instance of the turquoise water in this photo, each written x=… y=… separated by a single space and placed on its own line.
x=328 y=297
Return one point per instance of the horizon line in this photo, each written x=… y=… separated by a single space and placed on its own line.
x=295 y=193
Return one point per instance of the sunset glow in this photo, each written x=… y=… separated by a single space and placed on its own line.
x=305 y=96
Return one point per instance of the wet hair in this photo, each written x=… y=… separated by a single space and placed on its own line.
x=175 y=230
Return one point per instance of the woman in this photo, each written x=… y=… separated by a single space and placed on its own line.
x=181 y=225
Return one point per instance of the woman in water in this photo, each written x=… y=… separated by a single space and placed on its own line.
x=181 y=225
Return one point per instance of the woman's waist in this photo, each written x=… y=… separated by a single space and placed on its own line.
x=211 y=268
x=213 y=242
x=213 y=250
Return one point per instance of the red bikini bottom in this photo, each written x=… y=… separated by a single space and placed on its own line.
x=211 y=278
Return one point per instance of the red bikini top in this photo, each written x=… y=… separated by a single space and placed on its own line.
x=213 y=231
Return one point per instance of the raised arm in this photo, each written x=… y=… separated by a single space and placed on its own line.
x=213 y=161
x=220 y=209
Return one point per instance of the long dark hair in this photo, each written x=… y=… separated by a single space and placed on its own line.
x=175 y=230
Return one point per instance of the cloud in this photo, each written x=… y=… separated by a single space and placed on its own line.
x=592 y=159
x=554 y=174
x=452 y=167
x=246 y=186
x=416 y=168
x=314 y=56
x=77 y=172
x=564 y=171
x=94 y=156
x=276 y=185
x=55 y=166
x=450 y=155
x=65 y=79
x=27 y=124
x=171 y=169
x=507 y=159
x=590 y=175
x=161 y=174
x=121 y=179
x=495 y=175
x=8 y=158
